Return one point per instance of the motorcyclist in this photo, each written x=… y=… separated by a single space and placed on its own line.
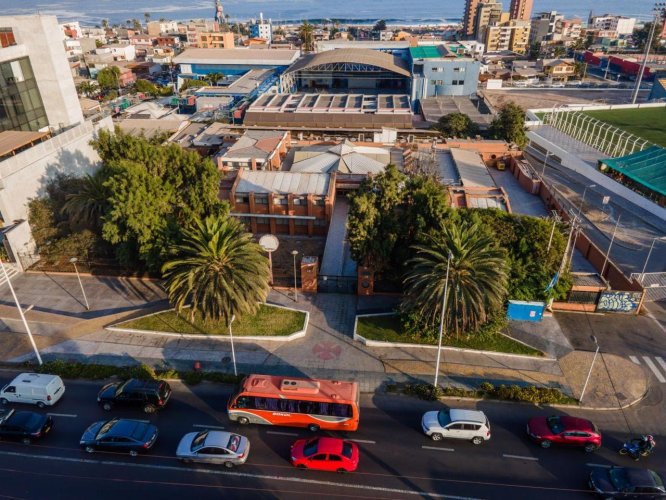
x=642 y=445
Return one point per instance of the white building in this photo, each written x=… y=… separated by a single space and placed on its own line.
x=156 y=28
x=262 y=29
x=619 y=24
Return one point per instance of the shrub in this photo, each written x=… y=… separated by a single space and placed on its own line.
x=427 y=392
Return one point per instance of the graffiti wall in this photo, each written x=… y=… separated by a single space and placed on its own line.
x=620 y=302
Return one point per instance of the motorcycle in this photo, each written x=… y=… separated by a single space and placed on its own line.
x=636 y=448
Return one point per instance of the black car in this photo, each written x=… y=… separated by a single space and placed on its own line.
x=626 y=482
x=24 y=425
x=150 y=395
x=120 y=435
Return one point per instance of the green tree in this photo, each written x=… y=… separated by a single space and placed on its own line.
x=146 y=16
x=87 y=88
x=213 y=78
x=477 y=278
x=579 y=43
x=109 y=78
x=105 y=24
x=88 y=205
x=136 y=25
x=146 y=87
x=306 y=34
x=641 y=36
x=559 y=51
x=218 y=270
x=509 y=125
x=189 y=83
x=379 y=25
x=456 y=125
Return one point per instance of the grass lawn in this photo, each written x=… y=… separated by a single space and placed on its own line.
x=648 y=123
x=269 y=320
x=388 y=329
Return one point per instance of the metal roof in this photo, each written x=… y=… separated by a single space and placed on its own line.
x=647 y=168
x=277 y=57
x=473 y=172
x=261 y=181
x=376 y=58
x=345 y=157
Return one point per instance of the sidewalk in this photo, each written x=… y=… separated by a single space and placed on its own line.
x=327 y=351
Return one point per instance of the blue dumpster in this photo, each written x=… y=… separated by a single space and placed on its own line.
x=520 y=310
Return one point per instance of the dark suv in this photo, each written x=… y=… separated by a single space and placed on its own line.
x=150 y=395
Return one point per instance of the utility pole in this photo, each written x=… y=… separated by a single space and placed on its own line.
x=658 y=8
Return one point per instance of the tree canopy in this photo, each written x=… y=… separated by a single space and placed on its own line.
x=456 y=125
x=109 y=78
x=379 y=25
x=509 y=125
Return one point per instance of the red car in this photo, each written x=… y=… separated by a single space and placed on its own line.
x=565 y=430
x=325 y=453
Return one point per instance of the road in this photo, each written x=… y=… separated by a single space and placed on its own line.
x=397 y=460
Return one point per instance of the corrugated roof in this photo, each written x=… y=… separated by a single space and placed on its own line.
x=280 y=57
x=376 y=58
x=283 y=183
x=647 y=168
x=472 y=170
x=344 y=157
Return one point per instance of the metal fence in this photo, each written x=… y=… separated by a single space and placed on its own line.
x=654 y=284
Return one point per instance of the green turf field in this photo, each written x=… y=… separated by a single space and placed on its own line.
x=649 y=123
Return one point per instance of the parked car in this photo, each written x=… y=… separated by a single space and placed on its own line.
x=325 y=453
x=26 y=426
x=625 y=482
x=214 y=447
x=38 y=389
x=471 y=425
x=120 y=435
x=149 y=395
x=564 y=430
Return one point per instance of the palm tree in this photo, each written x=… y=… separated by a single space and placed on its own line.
x=146 y=16
x=477 y=278
x=90 y=203
x=218 y=270
x=306 y=34
x=213 y=78
x=559 y=51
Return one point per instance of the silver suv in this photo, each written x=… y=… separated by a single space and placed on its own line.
x=471 y=425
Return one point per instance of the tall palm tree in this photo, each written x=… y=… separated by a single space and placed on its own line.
x=477 y=278
x=306 y=34
x=90 y=203
x=213 y=78
x=218 y=271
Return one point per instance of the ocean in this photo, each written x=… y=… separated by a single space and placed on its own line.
x=91 y=12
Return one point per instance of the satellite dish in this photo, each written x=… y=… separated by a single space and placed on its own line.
x=269 y=243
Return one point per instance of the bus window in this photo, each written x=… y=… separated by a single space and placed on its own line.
x=242 y=402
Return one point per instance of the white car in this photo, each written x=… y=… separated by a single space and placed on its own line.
x=213 y=447
x=471 y=425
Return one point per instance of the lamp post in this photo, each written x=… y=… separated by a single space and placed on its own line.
x=594 y=339
x=610 y=245
x=441 y=319
x=660 y=238
x=582 y=200
x=545 y=161
x=295 y=253
x=658 y=11
x=74 y=260
x=18 y=306
x=231 y=338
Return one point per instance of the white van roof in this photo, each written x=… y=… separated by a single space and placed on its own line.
x=34 y=379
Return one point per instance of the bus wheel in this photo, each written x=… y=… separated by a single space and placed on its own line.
x=313 y=428
x=243 y=420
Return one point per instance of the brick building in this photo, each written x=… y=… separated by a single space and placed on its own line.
x=255 y=150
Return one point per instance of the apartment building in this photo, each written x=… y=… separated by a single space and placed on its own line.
x=215 y=40
x=620 y=25
x=521 y=10
x=513 y=36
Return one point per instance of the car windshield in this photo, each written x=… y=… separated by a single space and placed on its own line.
x=199 y=440
x=555 y=424
x=106 y=428
x=619 y=479
x=444 y=418
x=347 y=449
x=121 y=387
x=310 y=447
x=234 y=442
x=33 y=420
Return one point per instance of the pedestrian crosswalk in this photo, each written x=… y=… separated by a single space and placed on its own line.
x=11 y=272
x=653 y=363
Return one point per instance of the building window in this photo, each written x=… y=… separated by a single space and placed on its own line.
x=7 y=37
x=280 y=200
x=458 y=82
x=21 y=106
x=261 y=199
x=459 y=70
x=438 y=70
x=301 y=222
x=298 y=201
x=319 y=202
x=262 y=220
x=242 y=198
x=320 y=222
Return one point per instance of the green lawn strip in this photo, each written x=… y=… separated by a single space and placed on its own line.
x=648 y=123
x=388 y=329
x=268 y=321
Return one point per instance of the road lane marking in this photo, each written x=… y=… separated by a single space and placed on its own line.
x=68 y=415
x=654 y=369
x=599 y=465
x=634 y=359
x=366 y=441
x=282 y=433
x=438 y=448
x=218 y=472
x=661 y=362
x=201 y=426
x=520 y=457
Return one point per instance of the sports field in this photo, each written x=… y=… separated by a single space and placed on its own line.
x=648 y=123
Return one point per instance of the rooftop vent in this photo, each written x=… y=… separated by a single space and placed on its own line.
x=300 y=386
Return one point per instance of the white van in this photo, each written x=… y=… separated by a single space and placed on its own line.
x=34 y=388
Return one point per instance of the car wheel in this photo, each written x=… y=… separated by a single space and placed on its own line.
x=590 y=448
x=545 y=444
x=477 y=440
x=436 y=436
x=313 y=428
x=243 y=420
x=134 y=453
x=89 y=449
x=107 y=406
x=149 y=409
x=301 y=466
x=229 y=465
x=27 y=441
x=3 y=401
x=40 y=404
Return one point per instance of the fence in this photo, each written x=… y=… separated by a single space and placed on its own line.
x=654 y=284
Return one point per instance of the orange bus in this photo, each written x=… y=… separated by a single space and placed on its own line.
x=296 y=402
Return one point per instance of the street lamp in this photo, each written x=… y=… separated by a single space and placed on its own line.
x=660 y=238
x=582 y=200
x=18 y=306
x=295 y=253
x=594 y=339
x=74 y=260
x=543 y=170
x=441 y=319
x=231 y=338
x=603 y=268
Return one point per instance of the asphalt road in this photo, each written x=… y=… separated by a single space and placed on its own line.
x=397 y=460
